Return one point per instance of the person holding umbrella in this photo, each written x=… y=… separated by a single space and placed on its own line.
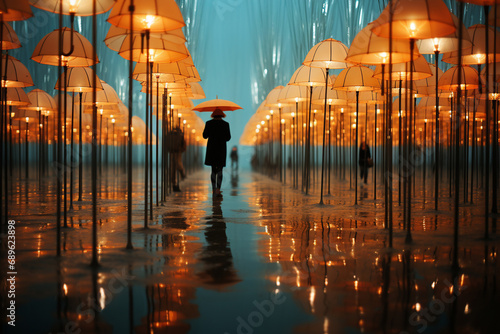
x=218 y=134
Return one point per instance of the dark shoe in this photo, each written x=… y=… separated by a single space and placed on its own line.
x=176 y=189
x=217 y=193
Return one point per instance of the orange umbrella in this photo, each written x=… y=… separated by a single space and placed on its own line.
x=211 y=105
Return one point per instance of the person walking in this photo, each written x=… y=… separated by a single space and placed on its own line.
x=218 y=134
x=234 y=158
x=364 y=157
x=176 y=146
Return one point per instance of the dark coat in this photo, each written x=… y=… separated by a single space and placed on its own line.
x=364 y=155
x=218 y=134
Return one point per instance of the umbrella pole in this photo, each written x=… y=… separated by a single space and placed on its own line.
x=58 y=145
x=308 y=143
x=329 y=147
x=410 y=176
x=131 y=9
x=146 y=146
x=494 y=197
x=71 y=151
x=324 y=138
x=355 y=151
x=487 y=125
x=95 y=261
x=80 y=151
x=436 y=144
x=65 y=153
x=150 y=140
x=157 y=136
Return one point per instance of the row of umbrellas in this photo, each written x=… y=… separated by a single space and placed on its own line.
x=383 y=60
x=146 y=32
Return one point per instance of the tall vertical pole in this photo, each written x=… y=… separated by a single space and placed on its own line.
x=436 y=144
x=95 y=261
x=324 y=137
x=487 y=125
x=356 y=151
x=80 y=151
x=59 y=137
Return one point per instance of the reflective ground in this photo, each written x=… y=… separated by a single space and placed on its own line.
x=263 y=259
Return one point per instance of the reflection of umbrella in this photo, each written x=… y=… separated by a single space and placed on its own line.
x=211 y=105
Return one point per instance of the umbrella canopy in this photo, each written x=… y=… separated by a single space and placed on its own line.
x=77 y=7
x=9 y=38
x=15 y=73
x=211 y=105
x=47 y=50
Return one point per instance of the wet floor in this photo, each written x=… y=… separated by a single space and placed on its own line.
x=265 y=258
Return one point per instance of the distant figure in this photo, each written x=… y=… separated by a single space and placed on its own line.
x=234 y=157
x=364 y=155
x=176 y=145
x=218 y=134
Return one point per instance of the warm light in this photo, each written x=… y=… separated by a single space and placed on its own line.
x=113 y=120
x=179 y=115
x=184 y=122
x=293 y=114
x=417 y=307
x=101 y=111
x=425 y=120
x=342 y=110
x=413 y=27
x=258 y=126
x=27 y=119
x=436 y=44
x=65 y=288
x=149 y=21
x=282 y=121
x=131 y=129
x=480 y=57
x=257 y=130
x=296 y=100
x=262 y=122
x=73 y=5
x=12 y=114
x=268 y=117
x=354 y=126
x=271 y=111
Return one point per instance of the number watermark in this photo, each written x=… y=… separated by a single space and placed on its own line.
x=11 y=273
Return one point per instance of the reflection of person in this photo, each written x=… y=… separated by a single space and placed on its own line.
x=218 y=134
x=234 y=157
x=364 y=155
x=177 y=145
x=216 y=255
